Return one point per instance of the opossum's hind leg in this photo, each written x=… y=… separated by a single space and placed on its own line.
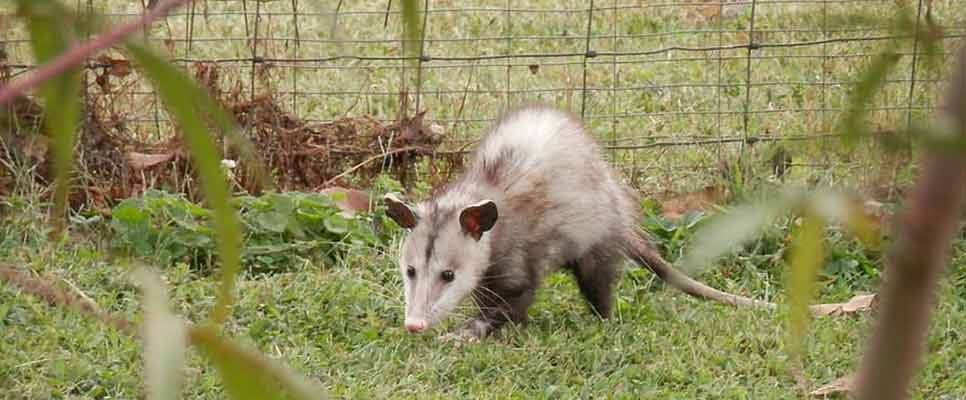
x=596 y=272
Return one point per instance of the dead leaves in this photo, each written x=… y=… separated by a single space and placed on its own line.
x=139 y=161
x=856 y=304
x=844 y=385
x=676 y=206
x=111 y=67
x=861 y=303
x=715 y=10
x=349 y=201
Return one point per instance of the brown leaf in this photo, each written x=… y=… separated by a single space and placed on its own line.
x=115 y=66
x=709 y=12
x=142 y=161
x=676 y=206
x=119 y=68
x=350 y=201
x=856 y=304
x=844 y=384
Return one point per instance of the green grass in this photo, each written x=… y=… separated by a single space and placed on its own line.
x=341 y=324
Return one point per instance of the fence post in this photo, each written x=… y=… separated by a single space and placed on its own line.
x=507 y=32
x=255 y=60
x=295 y=69
x=826 y=127
x=717 y=92
x=752 y=46
x=587 y=54
x=422 y=56
x=189 y=31
x=613 y=82
x=915 y=63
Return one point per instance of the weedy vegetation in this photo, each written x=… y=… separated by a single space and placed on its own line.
x=281 y=295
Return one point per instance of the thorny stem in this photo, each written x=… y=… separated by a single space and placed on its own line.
x=916 y=262
x=78 y=53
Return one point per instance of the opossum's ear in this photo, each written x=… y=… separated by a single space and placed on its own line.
x=478 y=218
x=399 y=211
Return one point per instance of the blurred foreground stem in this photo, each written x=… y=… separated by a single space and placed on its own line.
x=927 y=224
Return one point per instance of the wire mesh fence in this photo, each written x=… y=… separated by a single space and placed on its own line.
x=674 y=90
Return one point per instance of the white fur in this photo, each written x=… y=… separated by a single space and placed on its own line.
x=552 y=142
x=532 y=132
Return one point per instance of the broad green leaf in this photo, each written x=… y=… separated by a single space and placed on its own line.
x=187 y=103
x=130 y=212
x=180 y=214
x=165 y=340
x=191 y=239
x=272 y=221
x=50 y=36
x=807 y=255
x=246 y=374
x=336 y=224
x=870 y=82
x=281 y=203
x=337 y=196
x=723 y=233
x=323 y=202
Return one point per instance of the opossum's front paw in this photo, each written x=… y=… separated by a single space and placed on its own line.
x=472 y=331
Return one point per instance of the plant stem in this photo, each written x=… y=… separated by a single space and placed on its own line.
x=913 y=269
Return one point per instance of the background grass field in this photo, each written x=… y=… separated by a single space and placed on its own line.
x=340 y=322
x=680 y=73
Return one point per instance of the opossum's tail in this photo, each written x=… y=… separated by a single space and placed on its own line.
x=642 y=252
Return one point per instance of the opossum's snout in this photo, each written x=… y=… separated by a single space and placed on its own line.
x=416 y=325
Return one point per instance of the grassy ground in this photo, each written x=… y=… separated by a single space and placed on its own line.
x=342 y=325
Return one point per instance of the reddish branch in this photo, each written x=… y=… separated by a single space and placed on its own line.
x=78 y=53
x=916 y=263
x=62 y=298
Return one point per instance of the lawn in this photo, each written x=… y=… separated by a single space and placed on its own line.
x=341 y=324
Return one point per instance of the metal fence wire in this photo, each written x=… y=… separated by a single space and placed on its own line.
x=673 y=89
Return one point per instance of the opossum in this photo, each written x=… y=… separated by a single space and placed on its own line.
x=537 y=196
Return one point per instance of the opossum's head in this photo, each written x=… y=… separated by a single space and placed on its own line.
x=443 y=256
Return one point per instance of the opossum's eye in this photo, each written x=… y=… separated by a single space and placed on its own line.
x=447 y=276
x=411 y=272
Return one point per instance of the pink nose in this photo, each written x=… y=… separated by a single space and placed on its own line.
x=415 y=325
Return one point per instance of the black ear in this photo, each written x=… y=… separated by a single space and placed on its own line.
x=399 y=211
x=478 y=218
